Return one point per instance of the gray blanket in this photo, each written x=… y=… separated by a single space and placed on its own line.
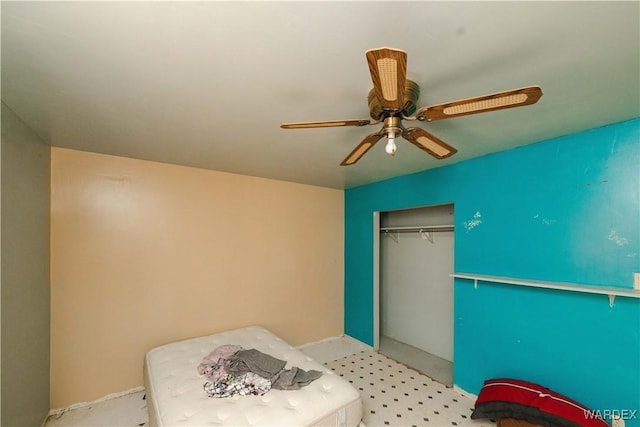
x=269 y=367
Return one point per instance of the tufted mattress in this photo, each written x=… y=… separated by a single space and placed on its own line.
x=175 y=394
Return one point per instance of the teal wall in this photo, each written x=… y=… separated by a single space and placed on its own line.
x=563 y=210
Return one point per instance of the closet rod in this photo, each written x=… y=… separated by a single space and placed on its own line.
x=424 y=228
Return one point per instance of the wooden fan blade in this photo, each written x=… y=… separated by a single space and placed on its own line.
x=481 y=104
x=388 y=69
x=429 y=143
x=327 y=124
x=368 y=142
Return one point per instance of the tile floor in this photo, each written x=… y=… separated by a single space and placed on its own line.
x=130 y=409
x=395 y=395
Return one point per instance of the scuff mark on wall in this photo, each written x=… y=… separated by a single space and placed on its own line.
x=545 y=221
x=618 y=240
x=473 y=223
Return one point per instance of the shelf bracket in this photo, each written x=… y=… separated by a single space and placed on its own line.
x=425 y=235
x=612 y=298
x=395 y=236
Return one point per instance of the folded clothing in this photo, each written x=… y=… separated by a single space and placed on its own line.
x=243 y=385
x=212 y=364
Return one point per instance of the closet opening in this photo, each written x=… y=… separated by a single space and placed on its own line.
x=413 y=289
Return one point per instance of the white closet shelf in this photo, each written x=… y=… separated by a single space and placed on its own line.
x=414 y=229
x=424 y=230
x=611 y=291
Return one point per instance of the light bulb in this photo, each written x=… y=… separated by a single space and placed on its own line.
x=391 y=145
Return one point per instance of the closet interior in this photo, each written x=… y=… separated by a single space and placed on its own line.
x=415 y=289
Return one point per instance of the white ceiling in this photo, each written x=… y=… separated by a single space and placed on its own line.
x=206 y=84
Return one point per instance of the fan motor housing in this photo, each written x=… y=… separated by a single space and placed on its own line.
x=411 y=95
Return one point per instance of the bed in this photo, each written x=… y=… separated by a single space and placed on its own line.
x=175 y=395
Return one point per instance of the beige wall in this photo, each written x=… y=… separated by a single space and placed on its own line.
x=146 y=253
x=24 y=313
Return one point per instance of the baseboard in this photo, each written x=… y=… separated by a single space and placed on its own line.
x=343 y=336
x=465 y=393
x=358 y=342
x=323 y=340
x=60 y=411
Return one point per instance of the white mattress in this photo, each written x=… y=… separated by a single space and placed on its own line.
x=175 y=394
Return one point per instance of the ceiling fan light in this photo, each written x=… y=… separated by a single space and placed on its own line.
x=486 y=104
x=391 y=148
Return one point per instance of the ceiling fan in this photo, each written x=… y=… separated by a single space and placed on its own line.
x=393 y=99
